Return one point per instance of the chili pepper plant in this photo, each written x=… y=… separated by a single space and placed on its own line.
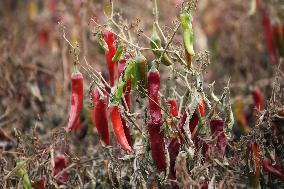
x=142 y=112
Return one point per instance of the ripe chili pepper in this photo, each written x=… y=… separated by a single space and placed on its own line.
x=156 y=136
x=127 y=88
x=172 y=102
x=141 y=72
x=253 y=152
x=109 y=39
x=118 y=128
x=217 y=130
x=174 y=145
x=186 y=25
x=76 y=100
x=157 y=144
x=155 y=43
x=278 y=38
x=100 y=114
x=60 y=163
x=202 y=107
x=273 y=169
x=268 y=37
x=154 y=100
x=258 y=99
x=39 y=183
x=173 y=149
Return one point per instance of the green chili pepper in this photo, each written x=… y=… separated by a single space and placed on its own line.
x=118 y=53
x=186 y=25
x=102 y=42
x=129 y=73
x=22 y=172
x=156 y=44
x=141 y=73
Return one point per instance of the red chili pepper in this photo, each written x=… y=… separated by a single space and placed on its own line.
x=268 y=37
x=278 y=38
x=174 y=145
x=39 y=183
x=156 y=136
x=60 y=163
x=109 y=39
x=202 y=107
x=126 y=89
x=157 y=144
x=217 y=130
x=118 y=128
x=172 y=102
x=100 y=114
x=154 y=101
x=76 y=100
x=173 y=149
x=273 y=169
x=258 y=99
x=253 y=151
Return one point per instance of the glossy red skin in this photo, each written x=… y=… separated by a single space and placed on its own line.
x=60 y=163
x=100 y=115
x=258 y=99
x=109 y=39
x=153 y=88
x=118 y=128
x=268 y=37
x=173 y=106
x=157 y=144
x=126 y=90
x=273 y=169
x=76 y=100
x=217 y=130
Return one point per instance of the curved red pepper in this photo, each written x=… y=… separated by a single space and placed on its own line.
x=258 y=99
x=154 y=101
x=173 y=106
x=157 y=144
x=118 y=128
x=109 y=39
x=100 y=114
x=217 y=130
x=273 y=169
x=76 y=100
x=268 y=37
x=126 y=89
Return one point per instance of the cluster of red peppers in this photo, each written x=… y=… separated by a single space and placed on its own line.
x=253 y=151
x=273 y=32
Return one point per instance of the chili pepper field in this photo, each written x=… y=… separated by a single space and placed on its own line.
x=141 y=94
